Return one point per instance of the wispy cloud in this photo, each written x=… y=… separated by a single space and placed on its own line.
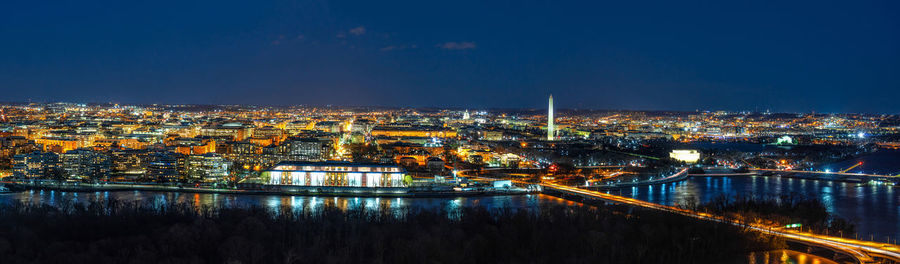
x=390 y=48
x=286 y=39
x=358 y=31
x=465 y=45
x=398 y=47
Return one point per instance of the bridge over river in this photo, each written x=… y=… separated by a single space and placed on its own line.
x=856 y=250
x=827 y=175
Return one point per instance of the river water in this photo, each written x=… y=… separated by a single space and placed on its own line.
x=280 y=203
x=875 y=209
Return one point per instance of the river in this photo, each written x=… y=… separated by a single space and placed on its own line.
x=875 y=209
x=279 y=203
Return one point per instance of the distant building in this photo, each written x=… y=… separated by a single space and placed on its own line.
x=298 y=126
x=164 y=166
x=329 y=126
x=333 y=173
x=434 y=164
x=685 y=155
x=489 y=135
x=305 y=149
x=235 y=131
x=208 y=167
x=85 y=164
x=414 y=131
x=58 y=144
x=785 y=140
x=128 y=164
x=37 y=165
x=121 y=143
x=269 y=132
x=13 y=141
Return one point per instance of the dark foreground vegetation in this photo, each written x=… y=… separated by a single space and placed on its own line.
x=110 y=232
x=793 y=208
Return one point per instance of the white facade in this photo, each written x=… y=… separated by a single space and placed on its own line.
x=336 y=174
x=686 y=155
x=551 y=128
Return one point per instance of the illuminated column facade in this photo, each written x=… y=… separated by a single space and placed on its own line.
x=550 y=126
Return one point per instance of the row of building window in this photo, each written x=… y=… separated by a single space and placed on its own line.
x=346 y=179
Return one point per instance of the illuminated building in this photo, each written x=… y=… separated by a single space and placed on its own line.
x=488 y=135
x=36 y=165
x=85 y=164
x=685 y=155
x=550 y=127
x=267 y=136
x=128 y=164
x=306 y=149
x=193 y=146
x=333 y=173
x=261 y=141
x=122 y=143
x=58 y=145
x=164 y=167
x=208 y=167
x=786 y=140
x=362 y=126
x=298 y=126
x=329 y=126
x=415 y=131
x=236 y=131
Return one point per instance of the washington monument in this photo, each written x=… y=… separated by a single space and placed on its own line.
x=550 y=126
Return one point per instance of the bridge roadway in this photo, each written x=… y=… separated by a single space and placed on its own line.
x=861 y=251
x=846 y=174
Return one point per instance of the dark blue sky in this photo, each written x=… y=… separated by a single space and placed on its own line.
x=825 y=56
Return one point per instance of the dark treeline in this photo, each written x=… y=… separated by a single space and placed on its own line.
x=792 y=208
x=110 y=232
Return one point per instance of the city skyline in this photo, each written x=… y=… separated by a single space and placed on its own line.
x=448 y=108
x=535 y=131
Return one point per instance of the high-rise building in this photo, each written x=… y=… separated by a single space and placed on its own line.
x=550 y=126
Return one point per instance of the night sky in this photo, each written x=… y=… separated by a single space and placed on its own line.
x=798 y=56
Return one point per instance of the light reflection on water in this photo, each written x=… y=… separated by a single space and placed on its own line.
x=873 y=208
x=786 y=257
x=279 y=204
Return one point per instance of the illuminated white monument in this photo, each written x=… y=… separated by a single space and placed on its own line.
x=551 y=129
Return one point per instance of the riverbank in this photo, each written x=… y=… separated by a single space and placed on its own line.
x=271 y=190
x=330 y=230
